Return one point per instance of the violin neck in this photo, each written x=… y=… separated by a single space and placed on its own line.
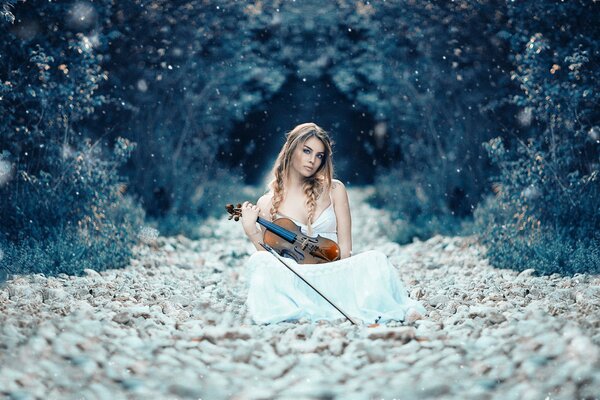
x=278 y=230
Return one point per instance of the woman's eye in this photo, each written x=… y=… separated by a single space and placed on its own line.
x=320 y=156
x=307 y=151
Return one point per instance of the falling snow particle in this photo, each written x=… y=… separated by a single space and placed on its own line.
x=5 y=171
x=142 y=85
x=82 y=15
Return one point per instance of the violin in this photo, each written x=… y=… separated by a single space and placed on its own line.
x=286 y=238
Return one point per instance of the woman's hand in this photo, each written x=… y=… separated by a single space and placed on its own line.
x=249 y=217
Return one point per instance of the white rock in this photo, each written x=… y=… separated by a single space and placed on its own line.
x=122 y=318
x=91 y=273
x=437 y=300
x=178 y=332
x=526 y=273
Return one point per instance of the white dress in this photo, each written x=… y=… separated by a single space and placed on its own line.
x=365 y=286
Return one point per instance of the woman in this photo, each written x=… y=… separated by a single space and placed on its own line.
x=365 y=286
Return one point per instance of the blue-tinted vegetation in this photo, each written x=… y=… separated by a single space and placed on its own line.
x=466 y=116
x=546 y=214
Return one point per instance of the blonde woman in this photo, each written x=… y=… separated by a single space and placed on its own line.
x=365 y=285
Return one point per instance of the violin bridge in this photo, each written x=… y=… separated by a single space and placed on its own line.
x=304 y=243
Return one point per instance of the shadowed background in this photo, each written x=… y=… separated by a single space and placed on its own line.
x=122 y=117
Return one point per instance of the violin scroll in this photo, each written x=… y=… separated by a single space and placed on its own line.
x=234 y=212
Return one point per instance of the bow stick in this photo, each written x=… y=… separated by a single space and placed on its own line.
x=270 y=250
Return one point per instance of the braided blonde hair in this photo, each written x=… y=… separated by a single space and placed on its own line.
x=312 y=186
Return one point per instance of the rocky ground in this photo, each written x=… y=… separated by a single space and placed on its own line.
x=174 y=325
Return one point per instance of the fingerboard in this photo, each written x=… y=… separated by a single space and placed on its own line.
x=276 y=229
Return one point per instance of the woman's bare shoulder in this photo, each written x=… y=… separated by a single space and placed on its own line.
x=264 y=202
x=337 y=186
x=338 y=192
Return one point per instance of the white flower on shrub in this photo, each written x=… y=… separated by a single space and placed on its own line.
x=594 y=133
x=525 y=116
x=67 y=151
x=148 y=234
x=531 y=192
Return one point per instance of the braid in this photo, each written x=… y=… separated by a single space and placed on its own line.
x=277 y=187
x=312 y=189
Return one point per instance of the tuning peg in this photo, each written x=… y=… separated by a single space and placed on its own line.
x=239 y=205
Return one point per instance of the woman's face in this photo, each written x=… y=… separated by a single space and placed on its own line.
x=308 y=157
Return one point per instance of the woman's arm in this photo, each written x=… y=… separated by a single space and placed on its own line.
x=344 y=220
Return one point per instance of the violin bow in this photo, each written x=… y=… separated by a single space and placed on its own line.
x=270 y=250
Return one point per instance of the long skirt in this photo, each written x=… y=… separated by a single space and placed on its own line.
x=366 y=287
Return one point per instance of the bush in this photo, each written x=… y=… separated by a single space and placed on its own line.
x=545 y=214
x=71 y=216
x=438 y=98
x=418 y=212
x=208 y=200
x=547 y=250
x=62 y=203
x=186 y=75
x=102 y=70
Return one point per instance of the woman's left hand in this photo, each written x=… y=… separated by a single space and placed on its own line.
x=249 y=216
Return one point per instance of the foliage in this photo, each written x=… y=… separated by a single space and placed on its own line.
x=61 y=198
x=5 y=10
x=439 y=78
x=208 y=201
x=419 y=213
x=438 y=101
x=182 y=98
x=545 y=214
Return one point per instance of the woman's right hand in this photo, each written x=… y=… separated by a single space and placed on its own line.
x=249 y=217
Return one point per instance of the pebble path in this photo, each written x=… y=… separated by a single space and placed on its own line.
x=173 y=325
